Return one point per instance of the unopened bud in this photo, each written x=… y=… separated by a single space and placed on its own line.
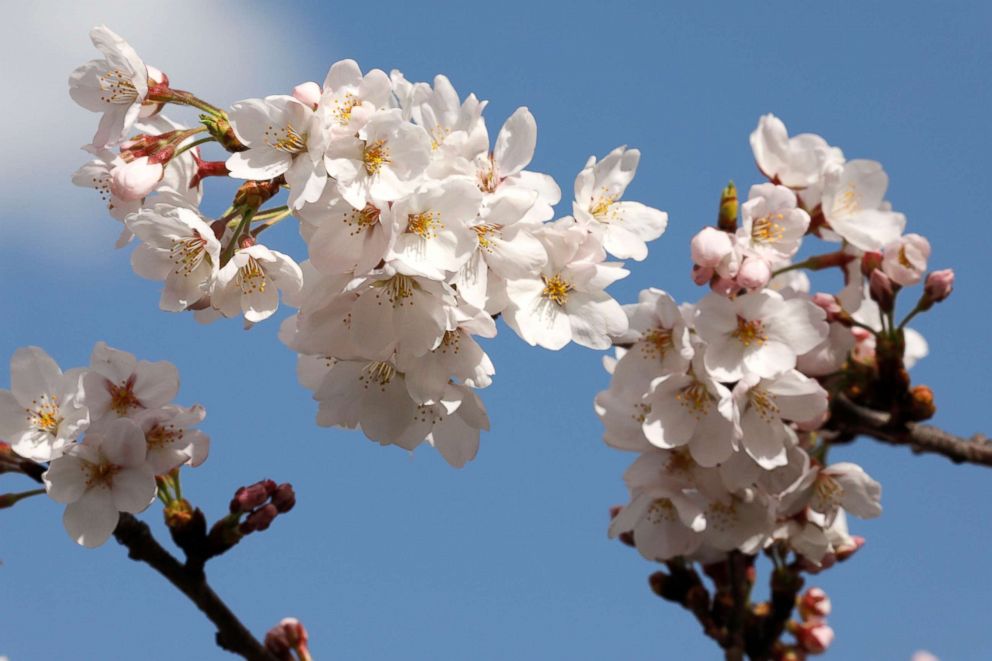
x=881 y=289
x=814 y=603
x=939 y=286
x=253 y=194
x=754 y=273
x=307 y=93
x=846 y=551
x=870 y=262
x=921 y=406
x=135 y=180
x=284 y=498
x=260 y=519
x=248 y=498
x=727 y=219
x=286 y=637
x=829 y=304
x=710 y=246
x=814 y=636
x=906 y=259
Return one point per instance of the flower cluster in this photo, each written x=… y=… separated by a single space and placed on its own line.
x=728 y=400
x=419 y=234
x=109 y=431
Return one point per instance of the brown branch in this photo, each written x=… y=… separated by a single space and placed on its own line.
x=850 y=418
x=232 y=635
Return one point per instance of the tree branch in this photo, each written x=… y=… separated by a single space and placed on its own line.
x=232 y=635
x=848 y=417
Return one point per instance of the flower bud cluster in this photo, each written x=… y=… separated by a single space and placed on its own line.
x=261 y=503
x=107 y=430
x=419 y=230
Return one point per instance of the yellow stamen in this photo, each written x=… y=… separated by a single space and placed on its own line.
x=750 y=332
x=251 y=278
x=425 y=225
x=556 y=289
x=374 y=156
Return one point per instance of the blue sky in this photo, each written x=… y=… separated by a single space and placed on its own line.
x=392 y=556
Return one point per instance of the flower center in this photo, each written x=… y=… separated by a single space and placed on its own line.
x=122 y=397
x=556 y=289
x=438 y=135
x=364 y=219
x=187 y=254
x=374 y=156
x=605 y=209
x=101 y=474
x=696 y=398
x=343 y=108
x=750 y=332
x=656 y=343
x=251 y=278
x=44 y=415
x=660 y=511
x=286 y=139
x=397 y=289
x=847 y=202
x=425 y=225
x=768 y=229
x=488 y=179
x=903 y=259
x=118 y=88
x=486 y=234
x=764 y=403
x=158 y=436
x=377 y=373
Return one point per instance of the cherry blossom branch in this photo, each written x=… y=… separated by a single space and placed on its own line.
x=232 y=635
x=854 y=419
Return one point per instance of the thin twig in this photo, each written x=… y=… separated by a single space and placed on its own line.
x=851 y=418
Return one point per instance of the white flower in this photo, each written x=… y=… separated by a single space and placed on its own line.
x=765 y=404
x=503 y=244
x=760 y=333
x=691 y=410
x=284 y=137
x=43 y=411
x=169 y=438
x=349 y=99
x=625 y=226
x=115 y=86
x=504 y=167
x=341 y=238
x=399 y=313
x=99 y=478
x=772 y=227
x=457 y=130
x=179 y=248
x=853 y=204
x=383 y=162
x=795 y=162
x=431 y=229
x=905 y=259
x=119 y=385
x=250 y=282
x=565 y=301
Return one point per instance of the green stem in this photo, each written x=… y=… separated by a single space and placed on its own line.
x=274 y=220
x=915 y=311
x=270 y=213
x=195 y=143
x=792 y=267
x=11 y=499
x=238 y=231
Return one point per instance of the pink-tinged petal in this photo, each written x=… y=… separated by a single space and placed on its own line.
x=515 y=143
x=156 y=383
x=123 y=443
x=113 y=364
x=134 y=489
x=33 y=373
x=65 y=479
x=91 y=519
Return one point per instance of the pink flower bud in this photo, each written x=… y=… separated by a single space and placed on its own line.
x=260 y=519
x=814 y=636
x=701 y=275
x=289 y=635
x=307 y=93
x=710 y=247
x=248 y=498
x=284 y=498
x=814 y=604
x=754 y=273
x=905 y=259
x=880 y=288
x=939 y=285
x=829 y=304
x=846 y=551
x=133 y=181
x=870 y=261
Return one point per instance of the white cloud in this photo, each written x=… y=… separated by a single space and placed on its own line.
x=222 y=50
